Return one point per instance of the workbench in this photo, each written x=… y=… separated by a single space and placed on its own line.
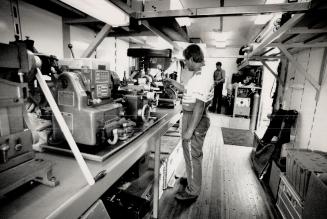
x=73 y=196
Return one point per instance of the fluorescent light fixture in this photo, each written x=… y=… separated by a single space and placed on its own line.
x=218 y=36
x=184 y=21
x=276 y=1
x=158 y=43
x=102 y=10
x=220 y=44
x=263 y=19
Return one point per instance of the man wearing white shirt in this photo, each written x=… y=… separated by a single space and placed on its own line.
x=197 y=95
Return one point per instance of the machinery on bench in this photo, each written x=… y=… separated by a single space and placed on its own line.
x=157 y=61
x=18 y=162
x=96 y=111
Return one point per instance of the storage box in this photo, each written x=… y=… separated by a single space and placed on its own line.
x=315 y=205
x=126 y=205
x=274 y=179
x=289 y=202
x=172 y=162
x=97 y=210
x=300 y=164
x=169 y=162
x=143 y=187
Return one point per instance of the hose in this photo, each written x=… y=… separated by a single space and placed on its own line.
x=115 y=137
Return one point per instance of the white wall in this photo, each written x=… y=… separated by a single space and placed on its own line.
x=300 y=95
x=44 y=27
x=41 y=26
x=225 y=56
x=80 y=38
x=6 y=24
x=114 y=51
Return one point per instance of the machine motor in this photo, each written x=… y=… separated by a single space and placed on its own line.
x=84 y=97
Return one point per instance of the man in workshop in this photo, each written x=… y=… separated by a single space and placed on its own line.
x=219 y=78
x=197 y=95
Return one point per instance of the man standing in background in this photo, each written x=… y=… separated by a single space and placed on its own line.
x=219 y=79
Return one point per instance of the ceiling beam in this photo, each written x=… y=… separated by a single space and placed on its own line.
x=299 y=45
x=160 y=34
x=88 y=19
x=122 y=6
x=284 y=28
x=225 y=11
x=131 y=34
x=299 y=30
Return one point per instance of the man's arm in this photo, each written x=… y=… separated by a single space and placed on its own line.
x=222 y=80
x=196 y=117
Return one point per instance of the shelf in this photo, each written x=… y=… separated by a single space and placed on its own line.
x=302 y=31
x=73 y=196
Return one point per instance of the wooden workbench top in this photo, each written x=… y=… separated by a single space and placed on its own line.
x=73 y=196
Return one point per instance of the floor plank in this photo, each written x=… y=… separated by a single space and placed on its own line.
x=229 y=187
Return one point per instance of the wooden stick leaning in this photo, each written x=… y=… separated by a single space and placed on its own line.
x=64 y=128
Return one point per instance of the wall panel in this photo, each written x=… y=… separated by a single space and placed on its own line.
x=288 y=90
x=44 y=27
x=300 y=95
x=318 y=139
x=6 y=24
x=308 y=100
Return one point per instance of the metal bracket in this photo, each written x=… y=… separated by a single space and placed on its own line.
x=323 y=74
x=96 y=42
x=16 y=18
x=272 y=72
x=300 y=45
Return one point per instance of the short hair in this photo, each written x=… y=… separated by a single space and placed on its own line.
x=194 y=51
x=218 y=63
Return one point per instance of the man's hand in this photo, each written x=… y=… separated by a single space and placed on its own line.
x=167 y=81
x=174 y=83
x=187 y=135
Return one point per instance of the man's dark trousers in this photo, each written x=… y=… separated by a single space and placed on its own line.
x=218 y=96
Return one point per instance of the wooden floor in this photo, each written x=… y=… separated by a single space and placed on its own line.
x=229 y=186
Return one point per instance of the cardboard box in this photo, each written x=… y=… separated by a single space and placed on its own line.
x=274 y=179
x=97 y=210
x=300 y=164
x=289 y=202
x=172 y=163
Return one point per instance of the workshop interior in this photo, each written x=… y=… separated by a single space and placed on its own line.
x=90 y=128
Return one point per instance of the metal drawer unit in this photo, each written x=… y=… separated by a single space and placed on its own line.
x=300 y=164
x=289 y=202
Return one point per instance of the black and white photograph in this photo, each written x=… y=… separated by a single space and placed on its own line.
x=163 y=109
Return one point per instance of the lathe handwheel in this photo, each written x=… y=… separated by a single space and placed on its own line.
x=145 y=113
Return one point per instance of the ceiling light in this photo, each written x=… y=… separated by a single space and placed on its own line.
x=218 y=36
x=184 y=21
x=220 y=44
x=158 y=42
x=275 y=1
x=263 y=18
x=102 y=10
